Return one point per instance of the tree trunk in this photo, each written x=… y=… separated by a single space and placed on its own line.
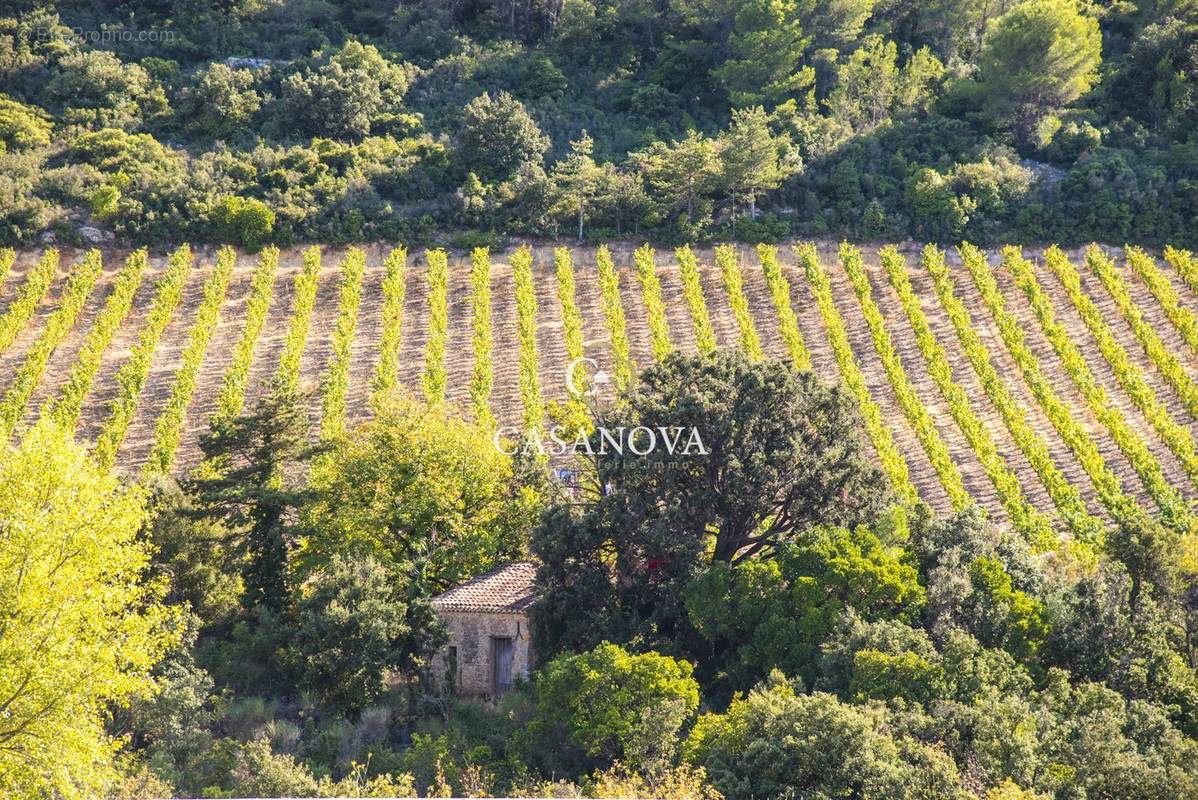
x=580 y=212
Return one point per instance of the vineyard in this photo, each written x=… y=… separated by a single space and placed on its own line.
x=1058 y=390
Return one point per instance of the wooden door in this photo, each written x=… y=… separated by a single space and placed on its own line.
x=501 y=664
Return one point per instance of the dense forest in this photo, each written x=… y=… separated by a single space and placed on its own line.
x=466 y=122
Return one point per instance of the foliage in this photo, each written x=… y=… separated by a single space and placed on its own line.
x=774 y=614
x=893 y=463
x=779 y=451
x=32 y=291
x=908 y=398
x=246 y=221
x=526 y=330
x=244 y=490
x=498 y=137
x=82 y=627
x=692 y=292
x=417 y=485
x=335 y=385
x=776 y=741
x=354 y=625
x=66 y=408
x=1064 y=494
x=1038 y=58
x=78 y=288
x=438 y=325
x=231 y=399
x=386 y=371
x=132 y=376
x=571 y=323
x=616 y=706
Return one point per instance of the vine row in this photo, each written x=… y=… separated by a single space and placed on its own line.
x=788 y=324
x=131 y=378
x=613 y=312
x=482 y=380
x=892 y=460
x=79 y=287
x=169 y=427
x=386 y=371
x=725 y=258
x=1187 y=267
x=526 y=328
x=32 y=292
x=692 y=292
x=659 y=327
x=335 y=387
x=288 y=372
x=232 y=391
x=1064 y=494
x=438 y=325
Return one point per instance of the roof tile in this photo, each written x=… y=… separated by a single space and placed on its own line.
x=510 y=589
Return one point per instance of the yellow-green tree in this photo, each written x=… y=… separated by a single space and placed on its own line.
x=80 y=627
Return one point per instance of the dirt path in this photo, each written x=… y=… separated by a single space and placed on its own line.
x=682 y=328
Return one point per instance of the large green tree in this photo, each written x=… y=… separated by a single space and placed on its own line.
x=1037 y=59
x=418 y=485
x=498 y=137
x=80 y=627
x=780 y=452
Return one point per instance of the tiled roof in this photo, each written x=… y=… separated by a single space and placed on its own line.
x=507 y=590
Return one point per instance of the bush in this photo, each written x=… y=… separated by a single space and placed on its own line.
x=611 y=706
x=246 y=221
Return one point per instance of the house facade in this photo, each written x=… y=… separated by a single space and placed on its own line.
x=489 y=644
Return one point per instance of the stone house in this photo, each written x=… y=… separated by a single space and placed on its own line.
x=489 y=642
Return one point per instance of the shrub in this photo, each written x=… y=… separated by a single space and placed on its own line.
x=246 y=221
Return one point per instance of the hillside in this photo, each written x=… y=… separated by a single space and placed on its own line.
x=1149 y=452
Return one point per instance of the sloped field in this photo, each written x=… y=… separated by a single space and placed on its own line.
x=988 y=378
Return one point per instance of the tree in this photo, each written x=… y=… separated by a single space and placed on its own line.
x=682 y=173
x=576 y=179
x=80 y=627
x=1037 y=58
x=419 y=486
x=498 y=137
x=778 y=742
x=780 y=452
x=750 y=154
x=615 y=706
x=866 y=84
x=774 y=613
x=242 y=484
x=767 y=45
x=246 y=221
x=221 y=103
x=22 y=126
x=352 y=93
x=96 y=88
x=354 y=624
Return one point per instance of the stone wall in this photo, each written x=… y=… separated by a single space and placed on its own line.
x=470 y=633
